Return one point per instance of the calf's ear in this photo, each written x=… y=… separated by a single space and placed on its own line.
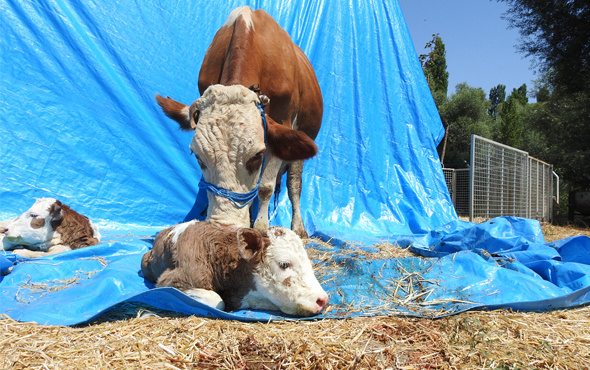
x=251 y=243
x=288 y=144
x=55 y=212
x=178 y=112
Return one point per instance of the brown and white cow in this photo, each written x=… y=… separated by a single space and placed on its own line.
x=236 y=268
x=48 y=227
x=229 y=142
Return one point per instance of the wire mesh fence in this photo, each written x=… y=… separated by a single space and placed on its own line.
x=501 y=181
x=458 y=183
x=541 y=189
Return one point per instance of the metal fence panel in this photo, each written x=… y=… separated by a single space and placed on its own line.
x=451 y=181
x=501 y=181
x=462 y=177
x=541 y=190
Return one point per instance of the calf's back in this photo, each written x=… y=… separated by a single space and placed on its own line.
x=202 y=255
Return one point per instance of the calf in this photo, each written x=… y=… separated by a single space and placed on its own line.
x=236 y=268
x=48 y=227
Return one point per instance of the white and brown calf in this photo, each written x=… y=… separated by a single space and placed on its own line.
x=48 y=227
x=236 y=268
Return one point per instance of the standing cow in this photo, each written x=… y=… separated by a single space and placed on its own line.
x=242 y=146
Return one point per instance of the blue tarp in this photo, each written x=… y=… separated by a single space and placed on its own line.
x=79 y=123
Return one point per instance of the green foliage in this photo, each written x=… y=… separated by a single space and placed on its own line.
x=563 y=122
x=556 y=129
x=542 y=94
x=519 y=95
x=556 y=33
x=534 y=140
x=509 y=129
x=434 y=65
x=466 y=114
x=497 y=97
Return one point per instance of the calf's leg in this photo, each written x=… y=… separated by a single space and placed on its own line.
x=205 y=296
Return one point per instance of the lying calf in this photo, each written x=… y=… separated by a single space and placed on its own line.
x=231 y=268
x=48 y=227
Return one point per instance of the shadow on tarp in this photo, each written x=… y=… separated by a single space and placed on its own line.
x=503 y=263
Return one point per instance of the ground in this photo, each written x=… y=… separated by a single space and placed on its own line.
x=478 y=339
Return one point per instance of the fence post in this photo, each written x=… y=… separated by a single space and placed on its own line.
x=471 y=177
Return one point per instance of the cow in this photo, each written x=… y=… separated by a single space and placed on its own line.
x=236 y=268
x=234 y=150
x=48 y=227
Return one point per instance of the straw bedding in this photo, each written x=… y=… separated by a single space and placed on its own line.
x=130 y=336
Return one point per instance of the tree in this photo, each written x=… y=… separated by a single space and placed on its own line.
x=434 y=65
x=520 y=95
x=466 y=114
x=509 y=130
x=497 y=97
x=563 y=121
x=556 y=33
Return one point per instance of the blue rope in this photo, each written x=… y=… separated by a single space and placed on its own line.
x=240 y=200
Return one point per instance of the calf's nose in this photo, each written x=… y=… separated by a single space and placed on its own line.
x=322 y=302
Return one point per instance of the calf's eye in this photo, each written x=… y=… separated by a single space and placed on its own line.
x=32 y=215
x=284 y=265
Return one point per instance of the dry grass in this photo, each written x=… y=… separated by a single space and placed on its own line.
x=129 y=338
x=498 y=339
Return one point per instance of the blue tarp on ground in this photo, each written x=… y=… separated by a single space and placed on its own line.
x=79 y=123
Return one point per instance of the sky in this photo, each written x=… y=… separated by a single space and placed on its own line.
x=480 y=47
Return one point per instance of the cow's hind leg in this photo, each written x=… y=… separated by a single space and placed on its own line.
x=294 y=190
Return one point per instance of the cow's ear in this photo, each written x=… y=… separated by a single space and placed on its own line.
x=289 y=144
x=178 y=112
x=251 y=243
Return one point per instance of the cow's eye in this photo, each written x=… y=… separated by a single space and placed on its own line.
x=284 y=265
x=254 y=163
x=201 y=163
x=32 y=215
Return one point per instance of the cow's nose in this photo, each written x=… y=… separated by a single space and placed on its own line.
x=322 y=302
x=3 y=230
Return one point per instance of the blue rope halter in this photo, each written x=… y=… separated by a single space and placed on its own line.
x=240 y=200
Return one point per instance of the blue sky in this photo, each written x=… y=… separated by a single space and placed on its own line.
x=480 y=48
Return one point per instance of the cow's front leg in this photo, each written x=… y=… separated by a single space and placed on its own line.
x=294 y=190
x=266 y=190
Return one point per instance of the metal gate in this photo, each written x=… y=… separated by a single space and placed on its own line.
x=502 y=181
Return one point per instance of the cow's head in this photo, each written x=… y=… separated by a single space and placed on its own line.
x=36 y=227
x=229 y=144
x=285 y=277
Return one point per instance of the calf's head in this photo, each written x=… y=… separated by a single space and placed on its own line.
x=229 y=143
x=35 y=227
x=285 y=277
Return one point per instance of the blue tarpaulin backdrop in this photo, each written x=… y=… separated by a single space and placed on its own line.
x=79 y=123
